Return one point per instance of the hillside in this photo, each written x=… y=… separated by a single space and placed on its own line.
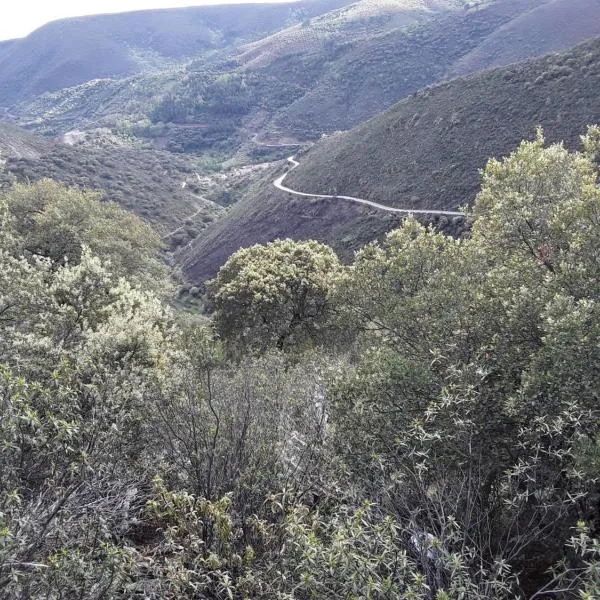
x=16 y=142
x=359 y=78
x=362 y=18
x=325 y=73
x=223 y=91
x=551 y=27
x=69 y=52
x=424 y=152
x=147 y=182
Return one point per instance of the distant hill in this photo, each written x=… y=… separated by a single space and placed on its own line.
x=424 y=152
x=360 y=19
x=358 y=78
x=326 y=72
x=551 y=27
x=69 y=52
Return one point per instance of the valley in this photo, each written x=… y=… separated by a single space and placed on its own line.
x=208 y=110
x=301 y=301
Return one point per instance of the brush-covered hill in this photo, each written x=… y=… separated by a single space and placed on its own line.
x=553 y=26
x=229 y=93
x=323 y=73
x=157 y=186
x=359 y=19
x=73 y=51
x=424 y=152
x=361 y=77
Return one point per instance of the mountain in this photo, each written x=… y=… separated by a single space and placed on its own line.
x=555 y=25
x=357 y=79
x=325 y=73
x=73 y=51
x=351 y=79
x=174 y=95
x=424 y=152
x=360 y=19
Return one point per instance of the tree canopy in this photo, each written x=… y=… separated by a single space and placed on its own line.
x=274 y=295
x=422 y=424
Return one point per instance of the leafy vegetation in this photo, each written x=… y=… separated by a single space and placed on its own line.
x=274 y=294
x=411 y=414
x=146 y=453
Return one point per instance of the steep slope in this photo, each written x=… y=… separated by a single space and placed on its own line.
x=228 y=92
x=424 y=152
x=328 y=73
x=551 y=27
x=359 y=19
x=360 y=78
x=334 y=71
x=72 y=51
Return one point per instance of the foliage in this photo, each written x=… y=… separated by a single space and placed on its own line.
x=54 y=221
x=488 y=338
x=447 y=449
x=143 y=181
x=274 y=295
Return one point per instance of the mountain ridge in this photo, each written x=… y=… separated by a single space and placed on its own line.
x=72 y=51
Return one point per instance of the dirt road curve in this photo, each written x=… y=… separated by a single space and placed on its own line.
x=278 y=183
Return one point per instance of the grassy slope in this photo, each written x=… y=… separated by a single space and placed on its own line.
x=72 y=51
x=423 y=152
x=552 y=27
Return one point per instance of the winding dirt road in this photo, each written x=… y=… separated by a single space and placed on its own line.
x=278 y=183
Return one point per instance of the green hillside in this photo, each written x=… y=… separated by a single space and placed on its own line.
x=73 y=51
x=356 y=79
x=144 y=181
x=424 y=152
x=325 y=73
x=551 y=27
x=222 y=96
